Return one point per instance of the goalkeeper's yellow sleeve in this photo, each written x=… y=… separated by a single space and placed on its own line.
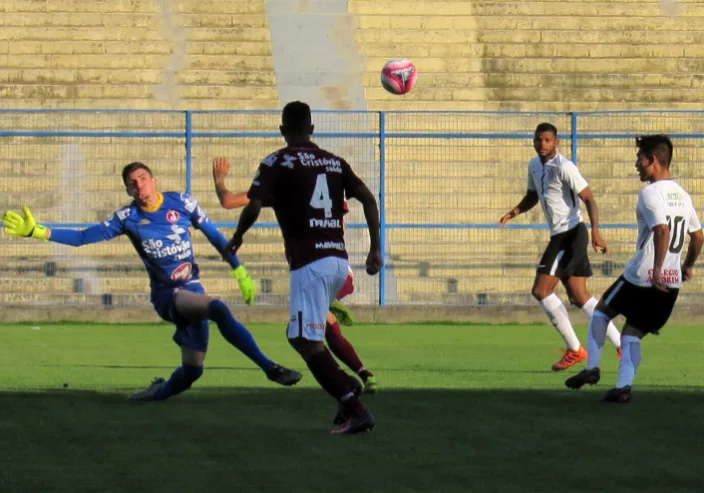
x=24 y=225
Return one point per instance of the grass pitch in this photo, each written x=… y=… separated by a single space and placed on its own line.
x=463 y=408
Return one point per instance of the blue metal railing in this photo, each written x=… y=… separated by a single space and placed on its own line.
x=190 y=136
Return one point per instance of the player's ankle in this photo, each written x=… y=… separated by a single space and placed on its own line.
x=352 y=405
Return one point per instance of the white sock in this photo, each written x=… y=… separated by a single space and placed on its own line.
x=596 y=337
x=557 y=313
x=629 y=362
x=612 y=332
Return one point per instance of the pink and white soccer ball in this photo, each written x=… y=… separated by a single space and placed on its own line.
x=399 y=76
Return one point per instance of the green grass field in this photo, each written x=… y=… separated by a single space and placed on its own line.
x=464 y=408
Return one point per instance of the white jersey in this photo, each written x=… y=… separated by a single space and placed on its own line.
x=558 y=183
x=662 y=202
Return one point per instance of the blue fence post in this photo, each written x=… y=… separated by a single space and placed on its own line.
x=574 y=137
x=189 y=149
x=382 y=206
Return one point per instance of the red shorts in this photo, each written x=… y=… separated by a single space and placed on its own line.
x=348 y=287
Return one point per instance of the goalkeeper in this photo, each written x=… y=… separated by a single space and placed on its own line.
x=158 y=226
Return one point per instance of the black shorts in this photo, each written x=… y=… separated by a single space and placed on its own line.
x=566 y=254
x=646 y=309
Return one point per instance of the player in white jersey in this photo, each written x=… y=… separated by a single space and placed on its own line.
x=646 y=292
x=555 y=182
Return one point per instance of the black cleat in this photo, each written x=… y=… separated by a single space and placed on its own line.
x=284 y=376
x=356 y=424
x=584 y=377
x=149 y=393
x=340 y=416
x=621 y=395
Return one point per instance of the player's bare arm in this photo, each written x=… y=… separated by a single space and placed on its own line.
x=661 y=241
x=371 y=214
x=249 y=216
x=696 y=240
x=527 y=203
x=227 y=199
x=598 y=242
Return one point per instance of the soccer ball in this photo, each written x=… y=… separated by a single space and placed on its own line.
x=399 y=76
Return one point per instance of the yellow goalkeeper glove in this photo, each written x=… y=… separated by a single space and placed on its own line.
x=17 y=225
x=247 y=286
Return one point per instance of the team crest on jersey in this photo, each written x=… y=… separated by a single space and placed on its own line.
x=172 y=216
x=123 y=214
x=182 y=272
x=270 y=159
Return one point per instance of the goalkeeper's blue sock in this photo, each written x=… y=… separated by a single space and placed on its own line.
x=181 y=379
x=237 y=334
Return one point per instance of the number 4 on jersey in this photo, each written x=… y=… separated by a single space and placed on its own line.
x=321 y=196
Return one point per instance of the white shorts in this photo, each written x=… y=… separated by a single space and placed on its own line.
x=313 y=288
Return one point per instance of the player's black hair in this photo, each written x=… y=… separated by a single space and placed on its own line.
x=546 y=127
x=132 y=167
x=296 y=119
x=659 y=146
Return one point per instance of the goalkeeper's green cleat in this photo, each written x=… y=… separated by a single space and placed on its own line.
x=342 y=313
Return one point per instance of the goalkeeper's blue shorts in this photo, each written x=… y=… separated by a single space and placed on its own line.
x=191 y=334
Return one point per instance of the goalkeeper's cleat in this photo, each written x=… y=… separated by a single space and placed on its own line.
x=150 y=392
x=584 y=377
x=341 y=312
x=284 y=376
x=17 y=225
x=619 y=352
x=370 y=385
x=247 y=286
x=570 y=358
x=621 y=395
x=355 y=424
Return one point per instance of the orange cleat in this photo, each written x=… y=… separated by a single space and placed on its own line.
x=570 y=358
x=619 y=352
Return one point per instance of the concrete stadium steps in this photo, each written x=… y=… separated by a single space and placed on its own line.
x=493 y=55
x=66 y=54
x=498 y=290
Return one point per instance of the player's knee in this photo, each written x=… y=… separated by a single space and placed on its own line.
x=540 y=293
x=217 y=310
x=192 y=373
x=306 y=348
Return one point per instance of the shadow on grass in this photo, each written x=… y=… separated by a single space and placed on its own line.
x=423 y=369
x=276 y=439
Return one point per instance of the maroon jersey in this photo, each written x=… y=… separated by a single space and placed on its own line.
x=306 y=186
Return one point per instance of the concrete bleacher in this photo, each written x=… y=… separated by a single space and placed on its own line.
x=504 y=55
x=510 y=55
x=85 y=54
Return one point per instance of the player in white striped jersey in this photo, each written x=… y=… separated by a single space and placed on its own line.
x=646 y=292
x=555 y=182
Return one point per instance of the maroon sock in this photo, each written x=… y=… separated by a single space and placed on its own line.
x=342 y=348
x=334 y=381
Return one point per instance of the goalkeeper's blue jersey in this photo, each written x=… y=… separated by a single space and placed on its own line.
x=163 y=240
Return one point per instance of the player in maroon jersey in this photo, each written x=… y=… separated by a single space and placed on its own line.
x=306 y=186
x=338 y=314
